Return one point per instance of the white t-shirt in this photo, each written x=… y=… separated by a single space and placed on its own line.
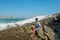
x=37 y=25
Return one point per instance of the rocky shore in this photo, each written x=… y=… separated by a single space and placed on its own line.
x=50 y=30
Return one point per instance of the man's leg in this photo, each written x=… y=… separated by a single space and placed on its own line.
x=33 y=32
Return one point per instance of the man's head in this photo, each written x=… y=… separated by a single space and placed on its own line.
x=36 y=19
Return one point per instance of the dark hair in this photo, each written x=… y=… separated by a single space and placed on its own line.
x=36 y=18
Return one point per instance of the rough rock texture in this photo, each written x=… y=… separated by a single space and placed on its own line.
x=50 y=30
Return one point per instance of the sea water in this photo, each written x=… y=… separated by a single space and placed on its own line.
x=11 y=20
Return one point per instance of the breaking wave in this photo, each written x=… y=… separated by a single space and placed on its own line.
x=21 y=22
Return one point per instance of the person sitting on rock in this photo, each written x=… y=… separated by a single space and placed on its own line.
x=36 y=27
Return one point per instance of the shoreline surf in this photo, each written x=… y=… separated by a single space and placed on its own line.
x=20 y=23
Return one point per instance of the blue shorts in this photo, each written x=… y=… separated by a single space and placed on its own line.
x=37 y=28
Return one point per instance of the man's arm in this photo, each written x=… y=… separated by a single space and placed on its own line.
x=39 y=24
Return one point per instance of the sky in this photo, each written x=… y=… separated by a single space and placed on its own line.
x=28 y=8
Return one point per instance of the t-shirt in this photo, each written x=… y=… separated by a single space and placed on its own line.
x=37 y=25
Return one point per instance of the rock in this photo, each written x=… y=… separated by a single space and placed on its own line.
x=46 y=32
x=17 y=36
x=0 y=35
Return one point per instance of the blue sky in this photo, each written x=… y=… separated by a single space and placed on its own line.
x=28 y=8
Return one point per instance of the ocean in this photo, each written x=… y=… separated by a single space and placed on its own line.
x=11 y=20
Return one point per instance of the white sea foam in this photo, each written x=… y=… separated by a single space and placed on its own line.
x=20 y=23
